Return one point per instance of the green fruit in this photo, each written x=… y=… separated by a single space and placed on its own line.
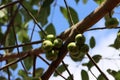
x=50 y=37
x=79 y=39
x=84 y=48
x=47 y=45
x=78 y=57
x=72 y=47
x=111 y=23
x=58 y=43
x=52 y=55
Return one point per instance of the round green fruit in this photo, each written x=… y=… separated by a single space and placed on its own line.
x=52 y=55
x=77 y=57
x=84 y=48
x=72 y=47
x=50 y=37
x=111 y=23
x=58 y=43
x=47 y=45
x=79 y=39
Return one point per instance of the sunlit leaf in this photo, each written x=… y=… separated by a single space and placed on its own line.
x=60 y=69
x=96 y=58
x=84 y=75
x=92 y=42
x=3 y=13
x=99 y=1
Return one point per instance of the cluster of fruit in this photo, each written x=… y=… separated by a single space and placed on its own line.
x=78 y=48
x=50 y=45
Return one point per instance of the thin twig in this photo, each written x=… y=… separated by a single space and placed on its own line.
x=21 y=45
x=91 y=59
x=34 y=19
x=49 y=64
x=8 y=71
x=69 y=13
x=9 y=25
x=11 y=63
x=93 y=74
x=101 y=28
x=18 y=49
x=34 y=65
x=9 y=4
x=67 y=70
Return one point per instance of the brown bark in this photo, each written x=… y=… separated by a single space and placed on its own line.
x=80 y=27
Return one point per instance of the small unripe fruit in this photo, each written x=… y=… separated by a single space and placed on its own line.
x=47 y=45
x=72 y=47
x=50 y=37
x=84 y=48
x=79 y=39
x=77 y=57
x=58 y=43
x=52 y=55
x=111 y=23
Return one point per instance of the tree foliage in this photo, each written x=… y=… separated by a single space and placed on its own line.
x=24 y=25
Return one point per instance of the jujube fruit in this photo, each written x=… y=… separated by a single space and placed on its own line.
x=47 y=45
x=52 y=55
x=72 y=47
x=58 y=43
x=79 y=39
x=50 y=37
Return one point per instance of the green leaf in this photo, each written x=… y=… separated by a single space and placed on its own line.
x=69 y=78
x=22 y=73
x=10 y=40
x=2 y=78
x=96 y=58
x=92 y=42
x=85 y=1
x=99 y=1
x=3 y=13
x=39 y=72
x=100 y=77
x=116 y=43
x=28 y=62
x=14 y=66
x=84 y=75
x=72 y=12
x=43 y=15
x=60 y=69
x=115 y=74
x=47 y=3
x=50 y=29
x=77 y=1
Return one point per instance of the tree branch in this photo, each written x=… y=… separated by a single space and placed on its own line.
x=80 y=27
